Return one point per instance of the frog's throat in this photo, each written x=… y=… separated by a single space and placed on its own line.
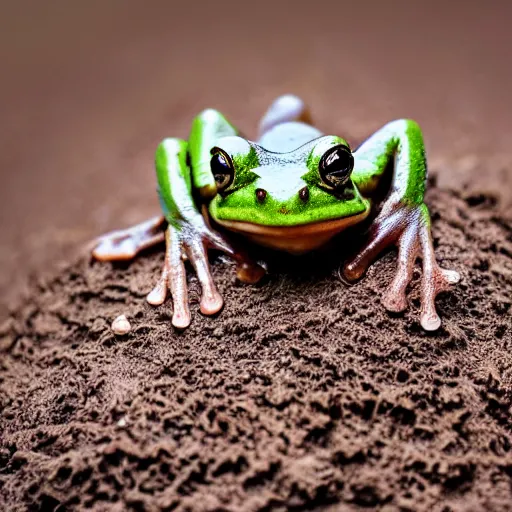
x=293 y=239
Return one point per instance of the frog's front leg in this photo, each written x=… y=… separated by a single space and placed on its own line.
x=188 y=235
x=181 y=166
x=404 y=219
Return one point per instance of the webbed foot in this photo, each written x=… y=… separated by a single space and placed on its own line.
x=192 y=243
x=187 y=242
x=408 y=227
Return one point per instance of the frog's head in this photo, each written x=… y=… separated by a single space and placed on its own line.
x=292 y=201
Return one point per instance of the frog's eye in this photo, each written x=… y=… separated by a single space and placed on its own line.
x=222 y=168
x=336 y=165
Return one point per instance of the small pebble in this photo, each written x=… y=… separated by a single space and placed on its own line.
x=121 y=326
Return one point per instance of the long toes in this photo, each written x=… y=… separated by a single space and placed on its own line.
x=381 y=235
x=181 y=313
x=354 y=270
x=177 y=282
x=430 y=320
x=115 y=249
x=181 y=317
x=157 y=295
x=432 y=284
x=211 y=302
x=395 y=301
x=178 y=285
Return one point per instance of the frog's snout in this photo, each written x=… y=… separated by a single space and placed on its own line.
x=261 y=195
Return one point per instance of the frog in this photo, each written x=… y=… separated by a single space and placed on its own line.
x=292 y=189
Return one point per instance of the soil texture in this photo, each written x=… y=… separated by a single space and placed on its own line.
x=304 y=394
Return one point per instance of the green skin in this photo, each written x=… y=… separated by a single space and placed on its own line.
x=278 y=198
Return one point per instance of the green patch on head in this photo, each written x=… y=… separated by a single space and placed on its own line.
x=244 y=174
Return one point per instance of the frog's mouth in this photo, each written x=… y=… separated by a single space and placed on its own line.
x=295 y=239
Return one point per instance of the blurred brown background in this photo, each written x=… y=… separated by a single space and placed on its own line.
x=88 y=89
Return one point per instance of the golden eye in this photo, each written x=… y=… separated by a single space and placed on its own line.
x=222 y=169
x=336 y=165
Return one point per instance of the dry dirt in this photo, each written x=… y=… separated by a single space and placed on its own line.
x=303 y=394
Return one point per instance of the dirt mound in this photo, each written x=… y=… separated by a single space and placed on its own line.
x=304 y=393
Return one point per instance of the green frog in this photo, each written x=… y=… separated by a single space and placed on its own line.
x=293 y=190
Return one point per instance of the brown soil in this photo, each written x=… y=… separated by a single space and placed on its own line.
x=304 y=394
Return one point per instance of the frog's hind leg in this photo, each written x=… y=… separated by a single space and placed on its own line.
x=284 y=109
x=125 y=244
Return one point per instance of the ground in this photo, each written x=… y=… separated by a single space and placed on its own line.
x=303 y=393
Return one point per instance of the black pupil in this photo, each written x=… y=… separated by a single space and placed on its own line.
x=337 y=165
x=220 y=168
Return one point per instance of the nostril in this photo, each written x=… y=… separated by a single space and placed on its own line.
x=261 y=195
x=304 y=194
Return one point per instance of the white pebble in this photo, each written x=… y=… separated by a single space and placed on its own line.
x=121 y=326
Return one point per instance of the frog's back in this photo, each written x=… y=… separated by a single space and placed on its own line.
x=286 y=125
x=288 y=136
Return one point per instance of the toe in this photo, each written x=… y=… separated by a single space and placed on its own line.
x=430 y=321
x=157 y=294
x=181 y=318
x=114 y=250
x=353 y=270
x=250 y=273
x=394 y=301
x=211 y=303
